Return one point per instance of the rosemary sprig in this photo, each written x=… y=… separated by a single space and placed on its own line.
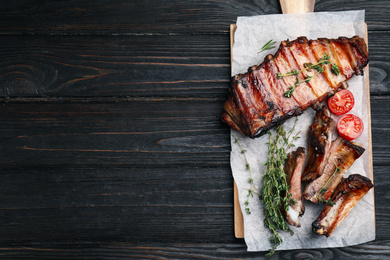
x=268 y=46
x=319 y=67
x=251 y=190
x=275 y=185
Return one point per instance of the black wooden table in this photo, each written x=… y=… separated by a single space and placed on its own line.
x=111 y=143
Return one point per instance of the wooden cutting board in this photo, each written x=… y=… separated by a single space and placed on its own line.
x=238 y=217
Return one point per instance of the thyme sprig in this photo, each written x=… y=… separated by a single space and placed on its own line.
x=268 y=46
x=319 y=67
x=252 y=189
x=275 y=190
x=291 y=89
x=323 y=201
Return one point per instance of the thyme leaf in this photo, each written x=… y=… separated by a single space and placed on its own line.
x=289 y=92
x=323 y=201
x=335 y=69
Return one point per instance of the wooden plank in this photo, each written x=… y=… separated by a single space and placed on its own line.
x=238 y=218
x=58 y=66
x=135 y=17
x=147 y=66
x=147 y=100
x=115 y=204
x=124 y=250
x=144 y=132
x=44 y=205
x=379 y=76
x=368 y=101
x=297 y=7
x=138 y=133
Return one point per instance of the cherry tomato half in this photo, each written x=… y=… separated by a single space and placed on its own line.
x=350 y=127
x=342 y=102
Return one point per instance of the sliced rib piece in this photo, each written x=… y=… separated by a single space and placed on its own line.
x=320 y=139
x=347 y=194
x=293 y=168
x=256 y=99
x=342 y=155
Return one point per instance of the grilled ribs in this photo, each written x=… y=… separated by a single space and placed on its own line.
x=293 y=168
x=320 y=139
x=342 y=154
x=257 y=99
x=347 y=194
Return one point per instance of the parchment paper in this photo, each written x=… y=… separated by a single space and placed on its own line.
x=251 y=34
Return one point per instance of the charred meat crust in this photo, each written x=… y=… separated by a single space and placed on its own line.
x=353 y=183
x=342 y=155
x=291 y=162
x=361 y=48
x=349 y=191
x=256 y=99
x=320 y=139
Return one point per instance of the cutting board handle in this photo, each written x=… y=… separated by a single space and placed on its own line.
x=297 y=6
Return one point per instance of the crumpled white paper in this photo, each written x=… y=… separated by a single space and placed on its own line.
x=251 y=34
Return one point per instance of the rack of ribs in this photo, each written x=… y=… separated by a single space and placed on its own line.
x=257 y=100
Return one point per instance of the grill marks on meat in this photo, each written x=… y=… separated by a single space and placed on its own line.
x=342 y=155
x=320 y=139
x=347 y=194
x=293 y=168
x=318 y=87
x=256 y=99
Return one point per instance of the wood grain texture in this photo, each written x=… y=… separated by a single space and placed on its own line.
x=111 y=144
x=372 y=250
x=59 y=66
x=107 y=16
x=136 y=133
x=116 y=204
x=129 y=66
x=134 y=205
x=379 y=64
x=157 y=17
x=297 y=6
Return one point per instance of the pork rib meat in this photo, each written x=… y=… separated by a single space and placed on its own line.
x=320 y=140
x=257 y=99
x=347 y=194
x=293 y=168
